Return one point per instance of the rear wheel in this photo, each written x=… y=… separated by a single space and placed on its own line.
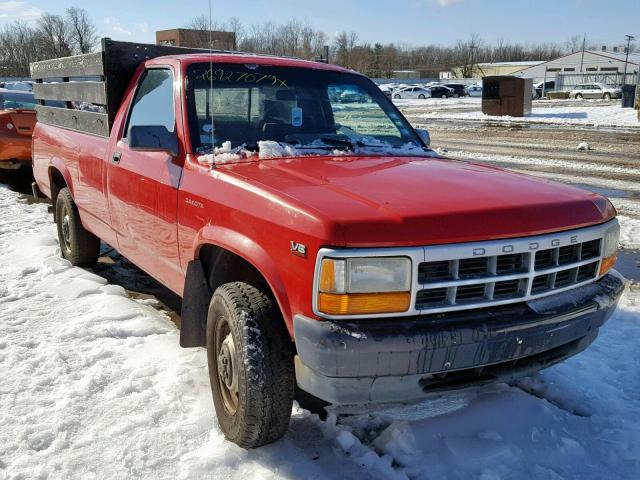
x=77 y=244
x=606 y=96
x=444 y=95
x=250 y=365
x=578 y=96
x=397 y=96
x=421 y=96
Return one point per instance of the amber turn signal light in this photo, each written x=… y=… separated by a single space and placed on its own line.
x=607 y=263
x=363 y=303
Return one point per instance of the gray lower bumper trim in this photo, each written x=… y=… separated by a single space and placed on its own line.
x=407 y=359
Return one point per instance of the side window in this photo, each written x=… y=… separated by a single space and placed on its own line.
x=153 y=104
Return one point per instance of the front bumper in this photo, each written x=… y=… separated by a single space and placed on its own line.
x=407 y=359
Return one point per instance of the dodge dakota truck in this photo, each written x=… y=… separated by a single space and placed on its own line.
x=320 y=247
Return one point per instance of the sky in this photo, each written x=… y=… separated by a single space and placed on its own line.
x=410 y=22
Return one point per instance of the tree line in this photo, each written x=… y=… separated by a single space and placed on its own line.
x=52 y=36
x=379 y=60
x=74 y=32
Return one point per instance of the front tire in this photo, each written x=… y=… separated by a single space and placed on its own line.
x=397 y=96
x=77 y=244
x=250 y=365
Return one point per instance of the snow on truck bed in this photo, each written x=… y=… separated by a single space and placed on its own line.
x=93 y=384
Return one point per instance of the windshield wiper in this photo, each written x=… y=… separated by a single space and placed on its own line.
x=338 y=142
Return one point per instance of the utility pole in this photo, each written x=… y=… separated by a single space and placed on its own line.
x=584 y=41
x=472 y=47
x=629 y=38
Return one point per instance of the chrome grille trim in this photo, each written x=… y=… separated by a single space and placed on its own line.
x=453 y=253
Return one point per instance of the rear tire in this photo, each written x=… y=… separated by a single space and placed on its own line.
x=250 y=365
x=397 y=96
x=578 y=96
x=606 y=96
x=77 y=244
x=421 y=97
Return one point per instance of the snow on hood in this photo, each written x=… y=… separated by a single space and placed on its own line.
x=268 y=149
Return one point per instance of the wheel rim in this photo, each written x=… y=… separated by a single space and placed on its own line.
x=65 y=227
x=227 y=366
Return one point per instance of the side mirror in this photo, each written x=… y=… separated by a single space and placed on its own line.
x=424 y=136
x=152 y=138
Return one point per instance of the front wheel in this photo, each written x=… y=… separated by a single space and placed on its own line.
x=397 y=96
x=250 y=365
x=77 y=244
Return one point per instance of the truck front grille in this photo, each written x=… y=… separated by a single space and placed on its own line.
x=489 y=279
x=472 y=275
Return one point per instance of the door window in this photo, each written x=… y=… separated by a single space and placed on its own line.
x=153 y=104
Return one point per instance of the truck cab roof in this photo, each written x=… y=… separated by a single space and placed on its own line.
x=245 y=58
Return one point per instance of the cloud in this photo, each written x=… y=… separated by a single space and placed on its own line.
x=143 y=27
x=114 y=25
x=19 y=10
x=447 y=3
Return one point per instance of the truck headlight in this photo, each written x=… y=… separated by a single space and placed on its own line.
x=610 y=248
x=369 y=285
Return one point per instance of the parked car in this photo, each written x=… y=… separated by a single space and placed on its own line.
x=412 y=92
x=22 y=85
x=379 y=273
x=459 y=90
x=474 y=90
x=440 y=91
x=387 y=89
x=17 y=119
x=595 y=90
x=549 y=86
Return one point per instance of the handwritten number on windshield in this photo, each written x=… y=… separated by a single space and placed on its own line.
x=221 y=75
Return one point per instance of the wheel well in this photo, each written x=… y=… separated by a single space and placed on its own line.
x=214 y=267
x=222 y=266
x=57 y=182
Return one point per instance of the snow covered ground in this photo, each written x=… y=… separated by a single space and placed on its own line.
x=93 y=384
x=592 y=113
x=597 y=116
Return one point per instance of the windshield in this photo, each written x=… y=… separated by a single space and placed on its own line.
x=254 y=105
x=13 y=101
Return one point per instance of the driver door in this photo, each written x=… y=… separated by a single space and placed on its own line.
x=143 y=183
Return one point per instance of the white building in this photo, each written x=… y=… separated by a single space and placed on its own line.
x=592 y=62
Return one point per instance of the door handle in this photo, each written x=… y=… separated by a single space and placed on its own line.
x=116 y=157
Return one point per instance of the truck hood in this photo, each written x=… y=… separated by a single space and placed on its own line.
x=382 y=201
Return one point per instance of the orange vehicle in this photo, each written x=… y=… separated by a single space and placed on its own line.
x=17 y=119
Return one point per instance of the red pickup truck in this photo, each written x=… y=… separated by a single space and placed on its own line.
x=320 y=247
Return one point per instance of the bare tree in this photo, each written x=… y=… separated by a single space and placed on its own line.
x=56 y=35
x=82 y=30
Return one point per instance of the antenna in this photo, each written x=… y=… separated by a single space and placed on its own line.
x=213 y=145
